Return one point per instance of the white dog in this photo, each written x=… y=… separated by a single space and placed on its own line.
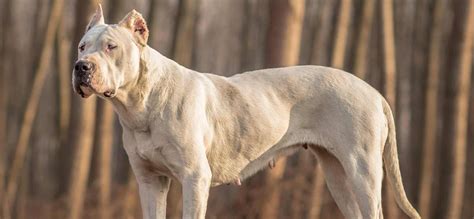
x=205 y=130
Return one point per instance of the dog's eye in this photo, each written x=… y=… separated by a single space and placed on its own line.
x=111 y=46
x=82 y=47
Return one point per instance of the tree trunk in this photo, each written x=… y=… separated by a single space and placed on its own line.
x=32 y=106
x=283 y=46
x=184 y=32
x=404 y=14
x=217 y=47
x=82 y=158
x=284 y=34
x=44 y=143
x=162 y=23
x=339 y=49
x=317 y=193
x=129 y=209
x=460 y=113
x=83 y=141
x=431 y=110
x=106 y=133
x=3 y=96
x=392 y=211
x=254 y=36
x=23 y=194
x=469 y=177
x=360 y=65
x=63 y=54
x=322 y=39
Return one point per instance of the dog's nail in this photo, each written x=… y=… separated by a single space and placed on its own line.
x=271 y=164
x=238 y=182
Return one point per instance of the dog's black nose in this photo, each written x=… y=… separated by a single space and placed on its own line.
x=84 y=66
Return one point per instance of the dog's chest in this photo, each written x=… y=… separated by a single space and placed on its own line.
x=150 y=153
x=144 y=144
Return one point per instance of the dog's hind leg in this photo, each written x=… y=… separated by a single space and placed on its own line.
x=365 y=174
x=338 y=184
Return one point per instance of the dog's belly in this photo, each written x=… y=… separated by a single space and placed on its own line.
x=274 y=135
x=232 y=151
x=237 y=169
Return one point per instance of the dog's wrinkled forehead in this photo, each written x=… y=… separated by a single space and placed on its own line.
x=99 y=35
x=93 y=34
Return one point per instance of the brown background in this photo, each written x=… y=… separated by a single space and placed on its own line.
x=62 y=157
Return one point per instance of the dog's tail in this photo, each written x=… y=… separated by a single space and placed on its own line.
x=392 y=166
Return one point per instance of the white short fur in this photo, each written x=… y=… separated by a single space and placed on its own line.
x=205 y=130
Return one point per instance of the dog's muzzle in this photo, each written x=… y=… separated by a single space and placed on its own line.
x=83 y=73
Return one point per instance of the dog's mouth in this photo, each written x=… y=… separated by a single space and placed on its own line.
x=85 y=89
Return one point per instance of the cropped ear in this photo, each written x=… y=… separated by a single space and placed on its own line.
x=97 y=18
x=135 y=22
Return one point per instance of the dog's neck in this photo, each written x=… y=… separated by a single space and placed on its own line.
x=155 y=78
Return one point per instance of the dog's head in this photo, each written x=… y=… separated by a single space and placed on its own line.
x=109 y=55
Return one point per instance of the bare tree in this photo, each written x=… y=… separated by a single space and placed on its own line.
x=214 y=17
x=106 y=133
x=162 y=23
x=360 y=65
x=130 y=207
x=404 y=14
x=184 y=32
x=284 y=34
x=431 y=110
x=460 y=113
x=3 y=96
x=21 y=206
x=317 y=193
x=32 y=106
x=322 y=39
x=86 y=123
x=254 y=35
x=82 y=159
x=339 y=49
x=389 y=85
x=283 y=46
x=63 y=54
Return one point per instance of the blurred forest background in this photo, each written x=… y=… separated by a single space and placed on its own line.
x=62 y=156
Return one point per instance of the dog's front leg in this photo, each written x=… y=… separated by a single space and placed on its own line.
x=195 y=193
x=153 y=188
x=153 y=194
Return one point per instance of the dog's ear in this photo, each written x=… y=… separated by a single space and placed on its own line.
x=135 y=22
x=97 y=18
